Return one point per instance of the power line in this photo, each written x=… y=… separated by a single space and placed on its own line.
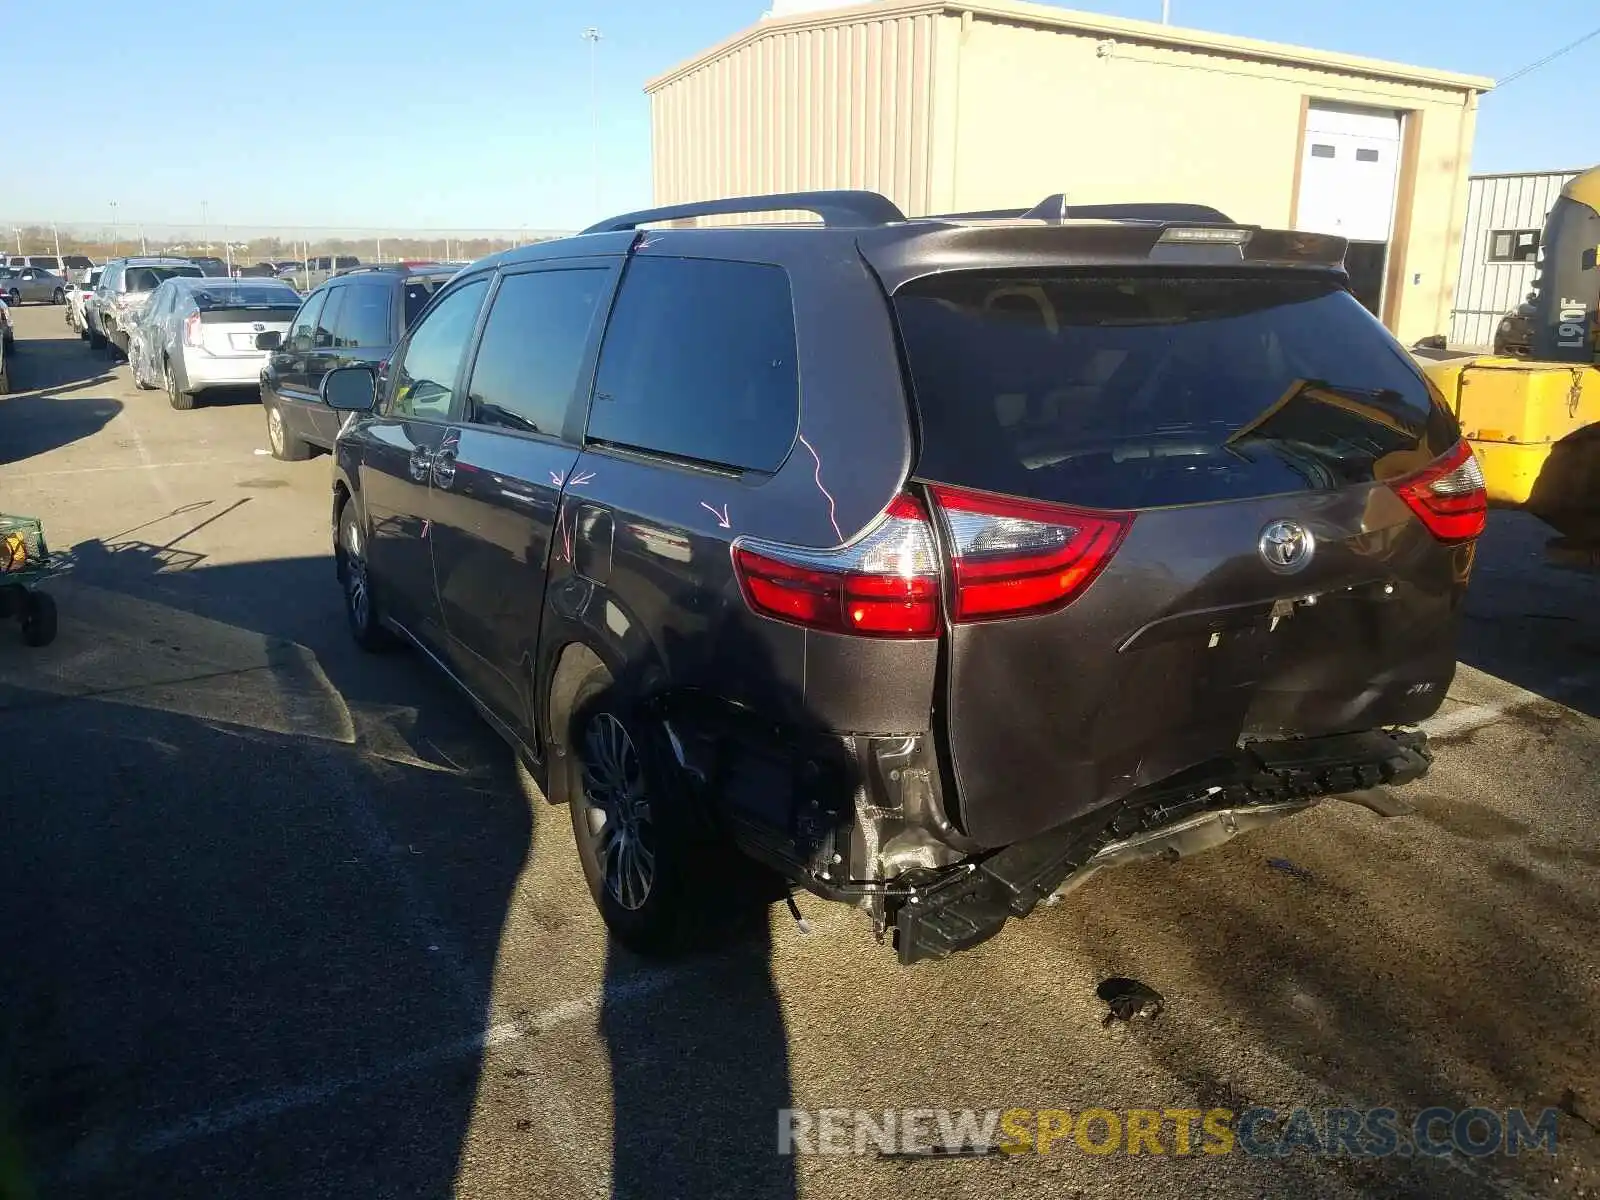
x=1548 y=58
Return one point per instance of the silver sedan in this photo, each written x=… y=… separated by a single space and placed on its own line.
x=200 y=333
x=33 y=283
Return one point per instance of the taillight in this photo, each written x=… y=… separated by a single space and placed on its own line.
x=883 y=584
x=1448 y=495
x=1017 y=557
x=191 y=330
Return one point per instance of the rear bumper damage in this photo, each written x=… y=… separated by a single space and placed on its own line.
x=940 y=913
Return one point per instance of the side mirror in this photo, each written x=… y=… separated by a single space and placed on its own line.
x=350 y=389
x=270 y=340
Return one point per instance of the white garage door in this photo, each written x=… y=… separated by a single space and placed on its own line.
x=1348 y=172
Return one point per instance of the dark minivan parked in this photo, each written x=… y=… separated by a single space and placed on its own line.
x=352 y=320
x=936 y=564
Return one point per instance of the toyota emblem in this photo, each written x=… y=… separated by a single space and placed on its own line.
x=259 y=327
x=1286 y=546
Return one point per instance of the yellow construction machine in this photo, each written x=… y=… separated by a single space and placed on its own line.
x=1535 y=421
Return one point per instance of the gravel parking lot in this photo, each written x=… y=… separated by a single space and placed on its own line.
x=281 y=921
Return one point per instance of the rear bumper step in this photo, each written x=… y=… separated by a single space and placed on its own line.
x=1263 y=782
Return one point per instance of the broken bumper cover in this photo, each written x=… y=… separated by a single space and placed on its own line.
x=1263 y=782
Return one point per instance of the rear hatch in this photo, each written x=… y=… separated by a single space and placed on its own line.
x=1178 y=508
x=229 y=318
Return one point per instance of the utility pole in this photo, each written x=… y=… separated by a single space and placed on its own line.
x=593 y=36
x=205 y=221
x=116 y=242
x=18 y=232
x=56 y=233
x=1166 y=12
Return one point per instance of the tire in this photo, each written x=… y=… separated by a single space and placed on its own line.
x=38 y=619
x=361 y=610
x=15 y=298
x=179 y=399
x=60 y=297
x=97 y=340
x=285 y=445
x=5 y=377
x=648 y=853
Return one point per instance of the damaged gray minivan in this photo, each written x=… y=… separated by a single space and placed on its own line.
x=934 y=563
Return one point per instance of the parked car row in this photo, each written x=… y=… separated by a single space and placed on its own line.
x=197 y=334
x=187 y=333
x=73 y=267
x=121 y=294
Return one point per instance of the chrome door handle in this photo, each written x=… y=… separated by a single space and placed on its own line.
x=444 y=466
x=421 y=463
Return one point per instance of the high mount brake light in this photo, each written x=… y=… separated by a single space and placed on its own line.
x=1448 y=495
x=1020 y=557
x=883 y=584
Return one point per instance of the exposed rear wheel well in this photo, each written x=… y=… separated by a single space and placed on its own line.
x=577 y=661
x=341 y=497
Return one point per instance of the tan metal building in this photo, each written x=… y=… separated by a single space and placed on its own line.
x=958 y=107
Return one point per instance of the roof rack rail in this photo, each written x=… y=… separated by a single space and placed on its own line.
x=838 y=208
x=1056 y=208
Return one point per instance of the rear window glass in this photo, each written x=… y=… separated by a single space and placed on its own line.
x=147 y=279
x=699 y=363
x=77 y=261
x=1136 y=391
x=48 y=262
x=246 y=297
x=418 y=293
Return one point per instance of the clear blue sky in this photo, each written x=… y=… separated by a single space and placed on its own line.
x=265 y=111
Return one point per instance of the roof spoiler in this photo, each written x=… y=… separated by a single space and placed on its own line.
x=1056 y=208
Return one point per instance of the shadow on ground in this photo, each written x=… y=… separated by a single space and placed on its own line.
x=1528 y=622
x=263 y=881
x=50 y=403
x=225 y=931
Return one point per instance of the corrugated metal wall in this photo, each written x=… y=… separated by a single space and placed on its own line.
x=838 y=106
x=1486 y=291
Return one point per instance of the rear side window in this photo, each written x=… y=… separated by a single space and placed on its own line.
x=1137 y=391
x=699 y=363
x=533 y=347
x=305 y=322
x=322 y=339
x=364 y=319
